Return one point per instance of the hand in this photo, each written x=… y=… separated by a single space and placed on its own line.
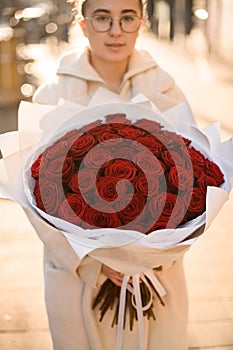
x=115 y=276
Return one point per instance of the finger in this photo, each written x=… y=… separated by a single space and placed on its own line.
x=116 y=281
x=116 y=276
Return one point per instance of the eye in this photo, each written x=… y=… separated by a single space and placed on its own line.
x=102 y=18
x=128 y=18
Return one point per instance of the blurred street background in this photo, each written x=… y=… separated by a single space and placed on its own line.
x=193 y=41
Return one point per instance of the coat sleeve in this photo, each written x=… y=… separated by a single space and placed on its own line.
x=166 y=85
x=63 y=87
x=47 y=93
x=87 y=269
x=159 y=87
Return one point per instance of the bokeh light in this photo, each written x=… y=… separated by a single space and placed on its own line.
x=27 y=90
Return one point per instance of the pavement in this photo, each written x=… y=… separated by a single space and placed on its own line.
x=208 y=85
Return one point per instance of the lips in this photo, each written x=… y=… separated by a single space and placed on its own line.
x=114 y=45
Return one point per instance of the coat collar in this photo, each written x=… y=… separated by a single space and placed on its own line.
x=78 y=65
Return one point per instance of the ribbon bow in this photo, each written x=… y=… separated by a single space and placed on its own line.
x=134 y=288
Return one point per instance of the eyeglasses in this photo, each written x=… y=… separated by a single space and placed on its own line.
x=102 y=23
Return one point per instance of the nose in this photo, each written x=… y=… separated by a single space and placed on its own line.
x=115 y=28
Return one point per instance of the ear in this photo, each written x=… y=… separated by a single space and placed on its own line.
x=82 y=24
x=142 y=25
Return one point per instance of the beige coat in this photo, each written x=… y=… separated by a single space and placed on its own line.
x=70 y=285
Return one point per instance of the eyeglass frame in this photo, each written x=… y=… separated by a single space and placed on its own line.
x=111 y=22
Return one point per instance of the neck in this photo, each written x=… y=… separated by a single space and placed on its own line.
x=111 y=72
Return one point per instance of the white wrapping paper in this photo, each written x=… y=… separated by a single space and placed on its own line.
x=40 y=125
x=130 y=252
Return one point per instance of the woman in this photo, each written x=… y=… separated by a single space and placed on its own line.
x=110 y=61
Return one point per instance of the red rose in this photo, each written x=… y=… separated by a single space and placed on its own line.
x=148 y=163
x=99 y=130
x=72 y=209
x=150 y=126
x=37 y=195
x=82 y=146
x=110 y=188
x=100 y=216
x=83 y=181
x=117 y=127
x=174 y=209
x=108 y=136
x=49 y=196
x=213 y=170
x=71 y=136
x=67 y=169
x=168 y=205
x=171 y=158
x=117 y=118
x=40 y=163
x=204 y=181
x=148 y=185
x=96 y=125
x=131 y=132
x=132 y=207
x=121 y=168
x=197 y=157
x=56 y=168
x=160 y=224
x=186 y=141
x=57 y=150
x=61 y=147
x=123 y=151
x=156 y=206
x=151 y=143
x=179 y=179
x=171 y=141
x=197 y=170
x=96 y=157
x=195 y=201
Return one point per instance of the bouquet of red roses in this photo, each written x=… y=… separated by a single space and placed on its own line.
x=125 y=179
x=124 y=173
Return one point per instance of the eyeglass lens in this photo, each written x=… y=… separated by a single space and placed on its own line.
x=128 y=23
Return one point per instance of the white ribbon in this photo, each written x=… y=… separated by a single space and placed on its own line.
x=137 y=303
x=121 y=313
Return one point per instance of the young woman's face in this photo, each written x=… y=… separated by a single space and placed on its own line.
x=114 y=45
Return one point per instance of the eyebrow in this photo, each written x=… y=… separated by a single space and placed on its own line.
x=109 y=12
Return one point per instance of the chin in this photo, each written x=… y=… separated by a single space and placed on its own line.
x=117 y=57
